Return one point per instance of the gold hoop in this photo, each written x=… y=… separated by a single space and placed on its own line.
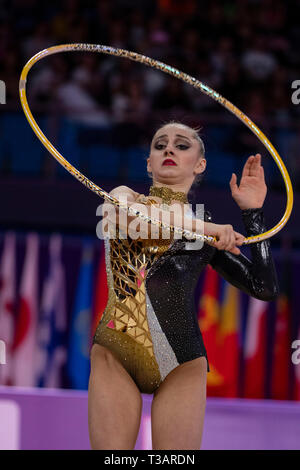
x=177 y=74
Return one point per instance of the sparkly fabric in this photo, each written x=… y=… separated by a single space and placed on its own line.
x=167 y=194
x=150 y=321
x=164 y=354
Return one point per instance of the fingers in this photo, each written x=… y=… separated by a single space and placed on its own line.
x=256 y=165
x=252 y=166
x=229 y=240
x=233 y=182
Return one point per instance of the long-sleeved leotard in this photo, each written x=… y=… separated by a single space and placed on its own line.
x=257 y=277
x=150 y=321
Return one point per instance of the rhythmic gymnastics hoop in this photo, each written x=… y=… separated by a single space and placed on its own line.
x=177 y=74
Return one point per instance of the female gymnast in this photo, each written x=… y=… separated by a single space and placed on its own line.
x=148 y=339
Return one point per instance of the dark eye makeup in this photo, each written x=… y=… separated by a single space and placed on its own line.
x=159 y=146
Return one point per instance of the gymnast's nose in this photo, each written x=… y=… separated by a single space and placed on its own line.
x=168 y=150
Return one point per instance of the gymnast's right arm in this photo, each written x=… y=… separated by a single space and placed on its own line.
x=121 y=218
x=142 y=203
x=227 y=238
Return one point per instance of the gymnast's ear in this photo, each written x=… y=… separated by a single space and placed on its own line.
x=149 y=165
x=200 y=166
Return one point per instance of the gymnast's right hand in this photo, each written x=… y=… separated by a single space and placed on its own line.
x=227 y=238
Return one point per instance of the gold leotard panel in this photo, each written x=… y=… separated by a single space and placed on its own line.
x=124 y=327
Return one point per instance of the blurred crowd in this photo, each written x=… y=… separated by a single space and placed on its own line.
x=247 y=50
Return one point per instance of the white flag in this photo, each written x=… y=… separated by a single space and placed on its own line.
x=24 y=347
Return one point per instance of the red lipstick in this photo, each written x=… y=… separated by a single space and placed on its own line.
x=168 y=161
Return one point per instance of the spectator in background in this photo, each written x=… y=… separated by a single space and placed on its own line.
x=88 y=72
x=207 y=43
x=137 y=31
x=62 y=22
x=159 y=38
x=177 y=7
x=204 y=72
x=79 y=31
x=129 y=103
x=255 y=106
x=76 y=101
x=154 y=81
x=41 y=39
x=45 y=81
x=114 y=71
x=118 y=34
x=222 y=55
x=172 y=97
x=279 y=104
x=272 y=15
x=189 y=50
x=232 y=84
x=279 y=96
x=100 y=19
x=258 y=62
x=7 y=43
x=215 y=25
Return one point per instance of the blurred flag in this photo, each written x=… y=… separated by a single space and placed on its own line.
x=296 y=362
x=7 y=303
x=79 y=345
x=228 y=339
x=208 y=318
x=101 y=292
x=51 y=350
x=255 y=349
x=281 y=359
x=24 y=345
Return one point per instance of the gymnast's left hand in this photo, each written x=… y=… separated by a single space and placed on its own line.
x=251 y=192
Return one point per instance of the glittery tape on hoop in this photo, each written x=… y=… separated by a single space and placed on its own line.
x=177 y=74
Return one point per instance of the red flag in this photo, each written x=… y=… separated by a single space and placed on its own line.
x=101 y=293
x=255 y=349
x=229 y=340
x=282 y=341
x=208 y=318
x=24 y=346
x=282 y=349
x=7 y=302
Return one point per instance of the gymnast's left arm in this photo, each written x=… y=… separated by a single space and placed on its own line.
x=256 y=277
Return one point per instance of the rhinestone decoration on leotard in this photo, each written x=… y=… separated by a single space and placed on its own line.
x=164 y=354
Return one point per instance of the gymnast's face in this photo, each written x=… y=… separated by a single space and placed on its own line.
x=178 y=143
